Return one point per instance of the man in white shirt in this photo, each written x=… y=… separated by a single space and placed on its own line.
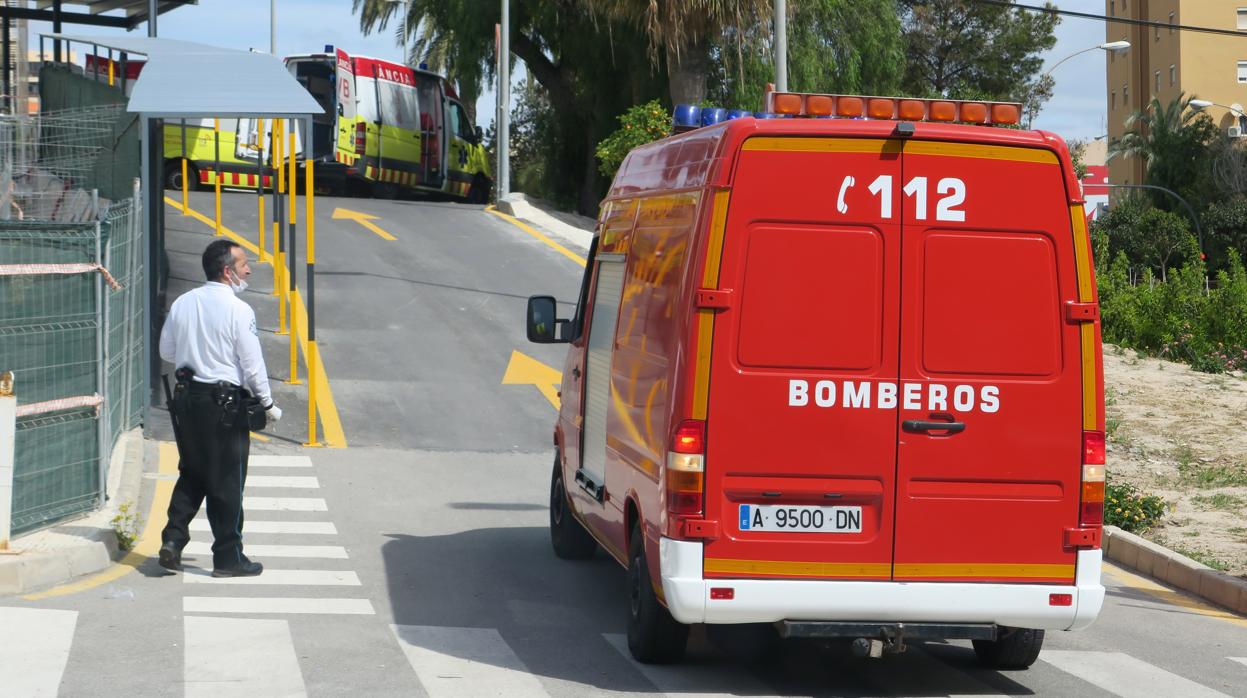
x=212 y=332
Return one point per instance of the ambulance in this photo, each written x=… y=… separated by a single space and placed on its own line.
x=839 y=373
x=388 y=128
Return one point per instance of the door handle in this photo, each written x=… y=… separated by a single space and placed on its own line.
x=575 y=371
x=941 y=421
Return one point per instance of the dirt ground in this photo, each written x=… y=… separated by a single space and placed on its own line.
x=1182 y=435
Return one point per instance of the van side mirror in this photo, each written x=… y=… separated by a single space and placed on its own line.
x=544 y=327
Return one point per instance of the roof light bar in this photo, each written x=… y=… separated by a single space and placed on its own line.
x=856 y=107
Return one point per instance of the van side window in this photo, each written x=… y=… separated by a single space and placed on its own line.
x=460 y=123
x=1001 y=318
x=578 y=320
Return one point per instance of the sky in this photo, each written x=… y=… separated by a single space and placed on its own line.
x=1077 y=109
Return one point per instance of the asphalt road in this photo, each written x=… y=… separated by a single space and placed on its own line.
x=416 y=561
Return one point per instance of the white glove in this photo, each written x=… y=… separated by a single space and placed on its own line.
x=274 y=413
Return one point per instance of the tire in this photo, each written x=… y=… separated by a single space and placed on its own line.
x=570 y=540
x=654 y=637
x=173 y=175
x=1016 y=648
x=479 y=193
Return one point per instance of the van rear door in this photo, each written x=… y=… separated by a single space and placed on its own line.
x=802 y=416
x=988 y=267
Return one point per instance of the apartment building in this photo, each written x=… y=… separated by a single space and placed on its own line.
x=1164 y=62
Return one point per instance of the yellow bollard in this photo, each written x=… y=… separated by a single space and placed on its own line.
x=186 y=208
x=216 y=172
x=279 y=265
x=259 y=184
x=292 y=186
x=309 y=197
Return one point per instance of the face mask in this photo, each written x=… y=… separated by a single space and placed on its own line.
x=239 y=286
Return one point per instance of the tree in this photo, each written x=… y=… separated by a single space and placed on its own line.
x=1173 y=140
x=967 y=50
x=835 y=46
x=680 y=34
x=591 y=69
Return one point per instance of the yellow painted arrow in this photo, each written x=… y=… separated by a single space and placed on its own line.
x=363 y=219
x=525 y=370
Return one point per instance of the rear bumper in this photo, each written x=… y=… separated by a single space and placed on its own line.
x=769 y=600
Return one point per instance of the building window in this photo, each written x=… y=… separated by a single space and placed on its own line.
x=1242 y=71
x=1158 y=33
x=1171 y=23
x=1173 y=75
x=1114 y=101
x=1112 y=7
x=1157 y=89
x=1242 y=18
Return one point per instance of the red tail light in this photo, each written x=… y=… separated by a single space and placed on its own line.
x=1091 y=510
x=690 y=437
x=361 y=135
x=686 y=466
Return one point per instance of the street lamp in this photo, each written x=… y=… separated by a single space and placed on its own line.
x=1111 y=47
x=1201 y=104
x=406 y=10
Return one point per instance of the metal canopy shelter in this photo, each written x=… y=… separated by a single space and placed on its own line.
x=136 y=12
x=187 y=80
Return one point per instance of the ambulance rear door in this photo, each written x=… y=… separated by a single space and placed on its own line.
x=345 y=150
x=801 y=426
x=988 y=465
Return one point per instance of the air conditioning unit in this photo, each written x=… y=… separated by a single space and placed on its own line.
x=1234 y=132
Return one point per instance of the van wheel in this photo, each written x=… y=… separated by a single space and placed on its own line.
x=1015 y=648
x=173 y=175
x=654 y=637
x=570 y=540
x=479 y=193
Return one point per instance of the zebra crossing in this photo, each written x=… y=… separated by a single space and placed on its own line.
x=250 y=635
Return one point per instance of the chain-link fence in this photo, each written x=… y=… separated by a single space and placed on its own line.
x=71 y=304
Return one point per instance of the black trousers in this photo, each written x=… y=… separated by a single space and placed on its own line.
x=212 y=469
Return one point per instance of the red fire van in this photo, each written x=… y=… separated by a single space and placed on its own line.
x=842 y=376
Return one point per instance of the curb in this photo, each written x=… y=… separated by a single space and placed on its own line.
x=1160 y=563
x=518 y=205
x=80 y=546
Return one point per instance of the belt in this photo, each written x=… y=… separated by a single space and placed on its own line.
x=206 y=388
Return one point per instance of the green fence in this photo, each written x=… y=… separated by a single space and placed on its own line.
x=75 y=346
x=71 y=293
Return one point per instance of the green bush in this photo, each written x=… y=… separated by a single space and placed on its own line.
x=639 y=125
x=1129 y=509
x=1177 y=318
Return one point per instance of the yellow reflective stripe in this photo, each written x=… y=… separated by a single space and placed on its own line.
x=982 y=152
x=705 y=318
x=824 y=145
x=1086 y=331
x=978 y=570
x=798 y=569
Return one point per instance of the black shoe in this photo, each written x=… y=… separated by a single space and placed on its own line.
x=246 y=568
x=171 y=557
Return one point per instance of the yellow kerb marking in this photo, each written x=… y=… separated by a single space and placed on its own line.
x=147 y=545
x=985 y=570
x=982 y=152
x=1166 y=595
x=705 y=318
x=879 y=146
x=799 y=569
x=554 y=245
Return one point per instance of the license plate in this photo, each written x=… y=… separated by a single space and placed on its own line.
x=800 y=519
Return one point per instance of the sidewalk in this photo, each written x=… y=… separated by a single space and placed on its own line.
x=81 y=546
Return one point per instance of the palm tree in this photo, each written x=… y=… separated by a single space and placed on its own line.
x=1172 y=140
x=681 y=32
